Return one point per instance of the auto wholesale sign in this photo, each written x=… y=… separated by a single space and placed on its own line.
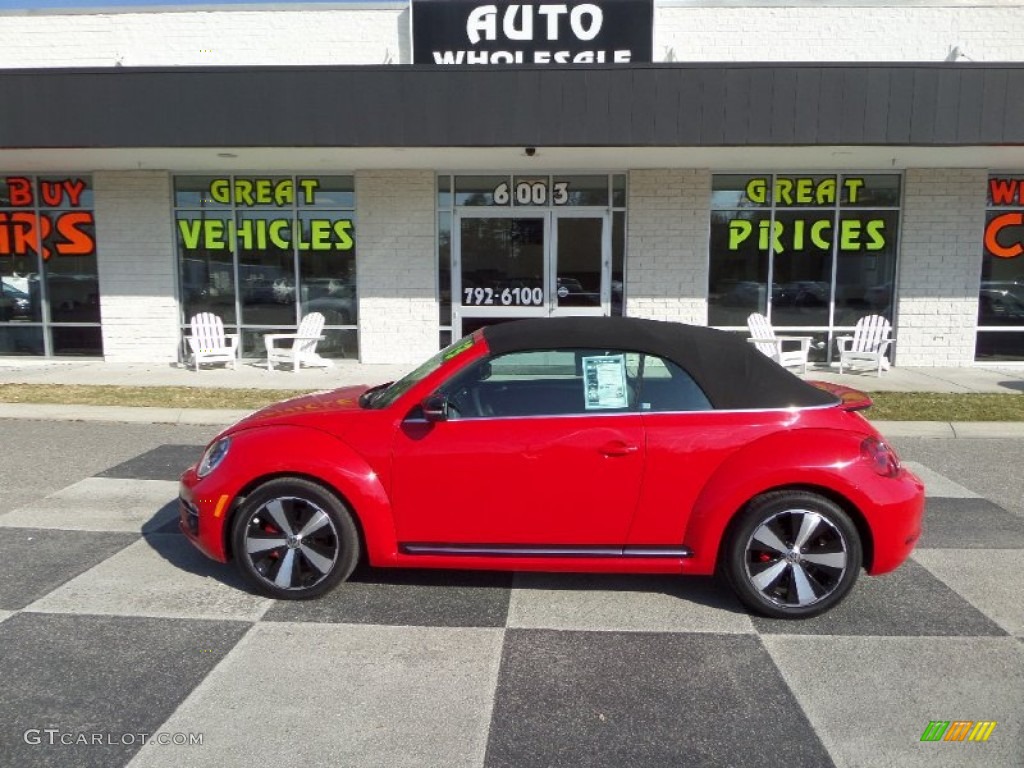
x=465 y=33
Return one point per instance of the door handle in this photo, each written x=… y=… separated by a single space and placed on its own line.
x=618 y=448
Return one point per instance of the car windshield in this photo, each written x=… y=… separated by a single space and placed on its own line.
x=386 y=394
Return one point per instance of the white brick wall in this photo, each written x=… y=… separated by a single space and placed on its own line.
x=940 y=267
x=986 y=30
x=136 y=261
x=396 y=266
x=200 y=38
x=667 y=250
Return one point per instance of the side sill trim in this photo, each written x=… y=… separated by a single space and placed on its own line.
x=535 y=550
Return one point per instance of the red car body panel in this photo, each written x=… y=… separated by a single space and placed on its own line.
x=654 y=480
x=523 y=488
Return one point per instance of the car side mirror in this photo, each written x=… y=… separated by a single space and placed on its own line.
x=435 y=408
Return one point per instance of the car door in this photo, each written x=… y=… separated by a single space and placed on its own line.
x=542 y=448
x=687 y=441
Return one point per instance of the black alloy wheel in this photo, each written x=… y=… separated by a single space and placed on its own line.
x=792 y=555
x=293 y=539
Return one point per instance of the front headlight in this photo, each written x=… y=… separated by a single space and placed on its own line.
x=214 y=456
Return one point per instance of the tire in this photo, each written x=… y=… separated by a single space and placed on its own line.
x=293 y=539
x=792 y=555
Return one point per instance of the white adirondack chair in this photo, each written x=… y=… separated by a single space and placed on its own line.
x=302 y=349
x=869 y=343
x=208 y=342
x=762 y=336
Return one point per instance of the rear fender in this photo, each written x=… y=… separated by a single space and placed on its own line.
x=825 y=458
x=289 y=450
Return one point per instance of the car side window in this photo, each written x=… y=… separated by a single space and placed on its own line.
x=662 y=386
x=544 y=383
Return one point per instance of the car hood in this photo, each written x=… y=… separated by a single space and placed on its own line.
x=304 y=408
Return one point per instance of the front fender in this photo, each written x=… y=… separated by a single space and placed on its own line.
x=262 y=453
x=823 y=458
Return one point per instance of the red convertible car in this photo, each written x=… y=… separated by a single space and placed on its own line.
x=566 y=444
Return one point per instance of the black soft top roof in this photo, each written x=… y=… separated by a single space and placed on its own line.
x=732 y=373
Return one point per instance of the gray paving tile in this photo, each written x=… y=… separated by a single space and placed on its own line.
x=938 y=485
x=603 y=602
x=159 y=575
x=102 y=504
x=970 y=523
x=909 y=601
x=45 y=456
x=37 y=561
x=113 y=676
x=432 y=598
x=991 y=580
x=636 y=699
x=165 y=462
x=342 y=695
x=985 y=466
x=870 y=699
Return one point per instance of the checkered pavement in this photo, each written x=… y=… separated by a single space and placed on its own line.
x=112 y=624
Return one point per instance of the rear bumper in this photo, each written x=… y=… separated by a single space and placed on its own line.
x=896 y=523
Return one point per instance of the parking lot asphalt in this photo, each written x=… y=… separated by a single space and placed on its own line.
x=113 y=630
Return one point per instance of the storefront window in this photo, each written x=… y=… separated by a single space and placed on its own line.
x=262 y=252
x=1001 y=296
x=49 y=288
x=814 y=252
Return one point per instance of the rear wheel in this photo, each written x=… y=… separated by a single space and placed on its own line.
x=294 y=539
x=792 y=555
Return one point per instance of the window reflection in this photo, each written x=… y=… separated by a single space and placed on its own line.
x=48 y=266
x=327 y=268
x=578 y=260
x=500 y=253
x=266 y=271
x=20 y=295
x=864 y=277
x=207 y=271
x=802 y=268
x=1001 y=293
x=738 y=274
x=822 y=243
x=272 y=250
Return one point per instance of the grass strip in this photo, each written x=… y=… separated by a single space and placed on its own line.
x=158 y=397
x=940 y=406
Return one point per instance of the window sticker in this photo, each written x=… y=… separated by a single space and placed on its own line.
x=604 y=382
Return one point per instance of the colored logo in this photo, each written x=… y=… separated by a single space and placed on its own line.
x=958 y=730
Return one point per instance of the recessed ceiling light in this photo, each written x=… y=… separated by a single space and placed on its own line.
x=226 y=154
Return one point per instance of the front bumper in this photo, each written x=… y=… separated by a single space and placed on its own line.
x=203 y=513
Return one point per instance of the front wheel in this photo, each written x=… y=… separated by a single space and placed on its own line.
x=792 y=555
x=293 y=539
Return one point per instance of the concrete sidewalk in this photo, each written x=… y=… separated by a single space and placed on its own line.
x=248 y=375
x=252 y=375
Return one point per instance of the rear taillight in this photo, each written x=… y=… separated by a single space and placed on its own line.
x=881 y=456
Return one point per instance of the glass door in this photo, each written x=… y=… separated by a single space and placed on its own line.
x=544 y=264
x=499 y=269
x=580 y=263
